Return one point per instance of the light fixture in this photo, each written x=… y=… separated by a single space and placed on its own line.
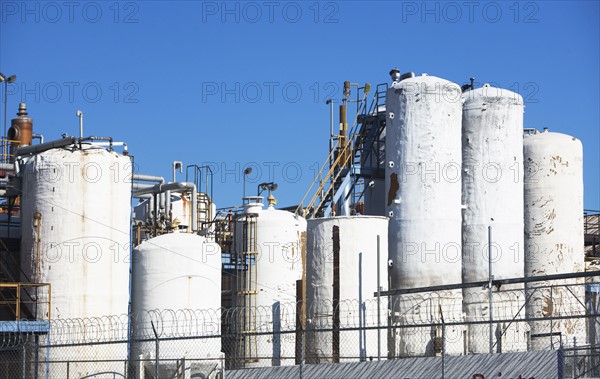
x=395 y=74
x=267 y=186
x=247 y=171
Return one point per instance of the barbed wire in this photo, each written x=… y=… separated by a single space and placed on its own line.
x=415 y=310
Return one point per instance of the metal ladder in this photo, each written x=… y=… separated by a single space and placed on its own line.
x=247 y=280
x=204 y=210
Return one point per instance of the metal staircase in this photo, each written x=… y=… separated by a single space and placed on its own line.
x=356 y=159
x=18 y=300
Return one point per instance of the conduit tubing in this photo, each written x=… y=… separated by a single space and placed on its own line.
x=40 y=148
x=165 y=199
x=175 y=187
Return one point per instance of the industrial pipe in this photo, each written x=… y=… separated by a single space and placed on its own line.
x=7 y=166
x=112 y=144
x=148 y=178
x=175 y=187
x=35 y=149
x=137 y=186
x=155 y=179
x=38 y=136
x=177 y=165
x=79 y=115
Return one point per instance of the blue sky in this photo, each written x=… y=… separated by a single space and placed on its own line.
x=243 y=83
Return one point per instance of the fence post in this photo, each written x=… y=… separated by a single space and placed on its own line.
x=24 y=359
x=574 y=357
x=36 y=357
x=302 y=352
x=222 y=365
x=443 y=342
x=156 y=355
x=490 y=289
x=378 y=300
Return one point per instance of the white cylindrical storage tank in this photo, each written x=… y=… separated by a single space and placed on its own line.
x=177 y=285
x=554 y=240
x=423 y=199
x=75 y=211
x=492 y=195
x=341 y=277
x=271 y=242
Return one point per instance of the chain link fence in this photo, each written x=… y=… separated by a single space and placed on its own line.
x=208 y=343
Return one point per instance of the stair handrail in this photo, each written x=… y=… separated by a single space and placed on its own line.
x=332 y=169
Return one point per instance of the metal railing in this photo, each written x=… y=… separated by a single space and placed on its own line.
x=28 y=296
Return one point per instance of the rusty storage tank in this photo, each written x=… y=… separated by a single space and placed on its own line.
x=492 y=195
x=554 y=240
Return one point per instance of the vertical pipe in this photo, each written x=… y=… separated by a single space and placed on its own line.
x=331 y=121
x=378 y=299
x=194 y=209
x=18 y=305
x=80 y=116
x=168 y=208
x=336 y=295
x=4 y=145
x=491 y=278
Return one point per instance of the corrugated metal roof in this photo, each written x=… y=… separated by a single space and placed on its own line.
x=539 y=365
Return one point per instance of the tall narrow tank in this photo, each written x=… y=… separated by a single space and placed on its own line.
x=75 y=212
x=270 y=244
x=341 y=277
x=554 y=241
x=176 y=274
x=492 y=195
x=423 y=199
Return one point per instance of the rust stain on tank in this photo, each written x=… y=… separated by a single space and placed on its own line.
x=547 y=308
x=394 y=187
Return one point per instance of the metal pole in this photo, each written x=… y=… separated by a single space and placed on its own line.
x=378 y=300
x=4 y=145
x=37 y=357
x=551 y=322
x=157 y=375
x=80 y=116
x=302 y=352
x=443 y=349
x=223 y=365
x=361 y=341
x=24 y=359
x=331 y=121
x=574 y=357
x=443 y=342
x=491 y=278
